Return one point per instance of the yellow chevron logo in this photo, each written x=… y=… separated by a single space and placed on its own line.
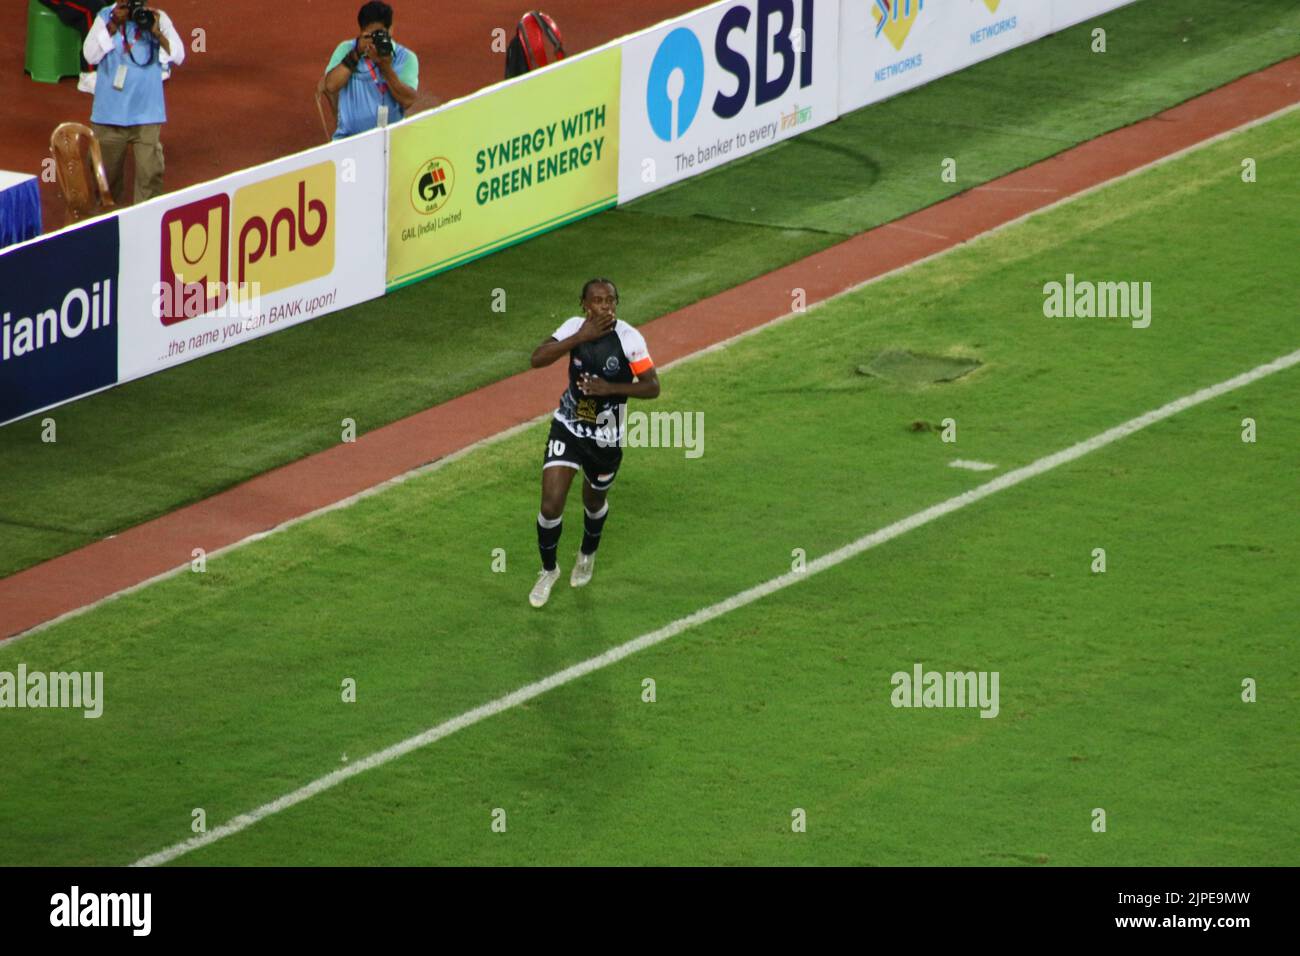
x=894 y=18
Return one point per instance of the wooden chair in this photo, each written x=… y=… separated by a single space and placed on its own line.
x=327 y=105
x=79 y=164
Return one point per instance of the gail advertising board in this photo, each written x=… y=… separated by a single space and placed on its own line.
x=503 y=166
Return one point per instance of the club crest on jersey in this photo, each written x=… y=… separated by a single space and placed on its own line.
x=611 y=364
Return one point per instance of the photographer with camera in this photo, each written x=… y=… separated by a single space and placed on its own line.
x=374 y=78
x=131 y=44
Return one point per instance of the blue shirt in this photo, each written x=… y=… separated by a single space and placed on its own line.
x=140 y=101
x=366 y=91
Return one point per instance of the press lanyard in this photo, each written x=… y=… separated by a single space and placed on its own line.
x=382 y=86
x=126 y=42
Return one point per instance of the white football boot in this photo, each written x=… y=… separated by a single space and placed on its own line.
x=541 y=592
x=582 y=569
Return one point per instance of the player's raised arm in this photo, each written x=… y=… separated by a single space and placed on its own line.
x=550 y=350
x=553 y=348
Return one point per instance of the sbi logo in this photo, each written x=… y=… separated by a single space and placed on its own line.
x=676 y=84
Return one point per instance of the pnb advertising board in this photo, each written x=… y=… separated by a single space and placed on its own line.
x=723 y=82
x=503 y=166
x=232 y=260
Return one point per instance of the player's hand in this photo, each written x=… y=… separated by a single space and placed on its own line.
x=595 y=326
x=590 y=384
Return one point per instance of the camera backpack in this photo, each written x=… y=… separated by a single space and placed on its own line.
x=537 y=43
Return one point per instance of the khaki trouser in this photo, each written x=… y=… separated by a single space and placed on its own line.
x=148 y=151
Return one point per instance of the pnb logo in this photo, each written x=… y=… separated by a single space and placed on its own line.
x=277 y=233
x=433 y=185
x=284 y=229
x=894 y=18
x=993 y=5
x=195 y=259
x=675 y=87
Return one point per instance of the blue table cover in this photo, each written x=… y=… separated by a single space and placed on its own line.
x=20 y=208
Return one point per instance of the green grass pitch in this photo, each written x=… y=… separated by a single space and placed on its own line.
x=180 y=436
x=1119 y=691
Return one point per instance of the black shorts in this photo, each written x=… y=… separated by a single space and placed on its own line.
x=566 y=450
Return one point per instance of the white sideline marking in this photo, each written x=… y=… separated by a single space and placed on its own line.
x=700 y=353
x=616 y=654
x=1016 y=189
x=971 y=465
x=919 y=232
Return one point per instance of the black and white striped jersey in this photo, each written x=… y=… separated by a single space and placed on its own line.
x=618 y=356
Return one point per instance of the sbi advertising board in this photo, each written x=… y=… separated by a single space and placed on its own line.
x=726 y=81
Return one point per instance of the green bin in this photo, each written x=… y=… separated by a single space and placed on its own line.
x=53 y=47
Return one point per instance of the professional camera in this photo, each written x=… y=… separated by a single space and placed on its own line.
x=383 y=41
x=141 y=17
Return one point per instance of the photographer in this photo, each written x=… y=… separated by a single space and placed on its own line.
x=374 y=78
x=131 y=44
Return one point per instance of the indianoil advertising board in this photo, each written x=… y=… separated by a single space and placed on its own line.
x=58 y=318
